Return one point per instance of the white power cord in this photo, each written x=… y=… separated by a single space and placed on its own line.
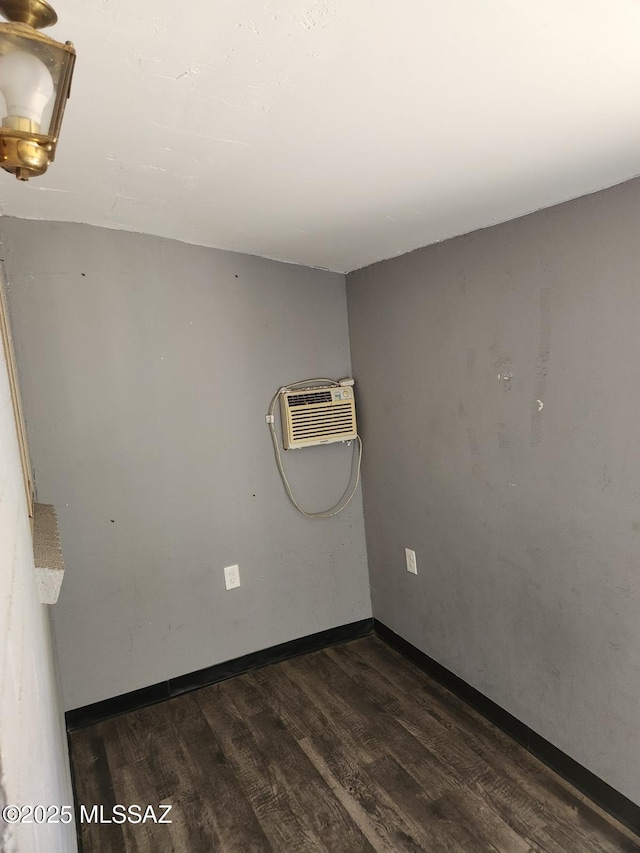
x=270 y=418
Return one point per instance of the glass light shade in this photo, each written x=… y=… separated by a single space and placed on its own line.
x=35 y=77
x=32 y=69
x=27 y=86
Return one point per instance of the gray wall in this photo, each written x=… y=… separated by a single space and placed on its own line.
x=147 y=367
x=526 y=521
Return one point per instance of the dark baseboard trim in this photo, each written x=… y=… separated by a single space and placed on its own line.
x=612 y=801
x=98 y=711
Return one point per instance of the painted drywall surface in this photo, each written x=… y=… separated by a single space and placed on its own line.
x=499 y=406
x=34 y=762
x=147 y=369
x=332 y=133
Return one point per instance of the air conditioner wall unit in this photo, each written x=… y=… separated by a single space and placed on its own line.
x=320 y=415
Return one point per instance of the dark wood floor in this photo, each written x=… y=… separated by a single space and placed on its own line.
x=346 y=750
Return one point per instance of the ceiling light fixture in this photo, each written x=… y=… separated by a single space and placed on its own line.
x=35 y=79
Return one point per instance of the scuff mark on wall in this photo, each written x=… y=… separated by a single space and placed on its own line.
x=471 y=361
x=504 y=366
x=191 y=132
x=473 y=442
x=120 y=197
x=604 y=481
x=55 y=190
x=506 y=379
x=544 y=356
x=190 y=72
x=504 y=442
x=314 y=15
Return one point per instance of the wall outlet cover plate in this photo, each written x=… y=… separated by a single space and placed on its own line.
x=231 y=577
x=412 y=564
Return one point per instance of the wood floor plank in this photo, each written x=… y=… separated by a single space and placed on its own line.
x=307 y=673
x=94 y=787
x=135 y=786
x=529 y=793
x=150 y=740
x=229 y=815
x=443 y=742
x=344 y=750
x=149 y=737
x=276 y=693
x=316 y=802
x=529 y=790
x=334 y=685
x=428 y=774
x=445 y=747
x=468 y=811
x=337 y=755
x=427 y=822
x=247 y=695
x=271 y=793
x=375 y=826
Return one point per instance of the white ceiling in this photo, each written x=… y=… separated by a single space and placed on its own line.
x=334 y=133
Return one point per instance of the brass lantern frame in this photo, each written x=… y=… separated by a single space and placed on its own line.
x=24 y=152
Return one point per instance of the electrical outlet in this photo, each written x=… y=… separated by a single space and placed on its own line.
x=231 y=577
x=412 y=565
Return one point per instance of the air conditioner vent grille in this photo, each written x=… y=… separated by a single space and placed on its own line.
x=317 y=416
x=309 y=397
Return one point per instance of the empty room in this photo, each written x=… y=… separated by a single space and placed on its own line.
x=319 y=401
